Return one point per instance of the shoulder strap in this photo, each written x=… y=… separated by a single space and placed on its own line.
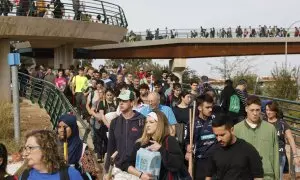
x=167 y=143
x=83 y=149
x=170 y=99
x=25 y=174
x=64 y=174
x=281 y=124
x=103 y=103
x=92 y=95
x=115 y=102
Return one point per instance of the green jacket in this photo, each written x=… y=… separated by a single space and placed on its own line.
x=264 y=139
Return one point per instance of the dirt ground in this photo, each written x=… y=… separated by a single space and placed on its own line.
x=33 y=117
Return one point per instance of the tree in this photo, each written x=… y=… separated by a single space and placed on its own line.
x=188 y=75
x=251 y=82
x=285 y=82
x=228 y=68
x=156 y=69
x=84 y=62
x=132 y=65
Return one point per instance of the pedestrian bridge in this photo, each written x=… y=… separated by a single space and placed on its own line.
x=188 y=43
x=196 y=48
x=58 y=26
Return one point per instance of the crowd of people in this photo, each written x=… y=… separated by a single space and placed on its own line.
x=238 y=32
x=54 y=9
x=196 y=132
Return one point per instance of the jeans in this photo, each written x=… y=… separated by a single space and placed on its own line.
x=282 y=161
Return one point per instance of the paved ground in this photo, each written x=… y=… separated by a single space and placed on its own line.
x=287 y=176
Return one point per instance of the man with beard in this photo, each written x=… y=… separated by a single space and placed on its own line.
x=233 y=158
x=204 y=138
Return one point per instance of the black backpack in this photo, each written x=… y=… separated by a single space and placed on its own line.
x=63 y=173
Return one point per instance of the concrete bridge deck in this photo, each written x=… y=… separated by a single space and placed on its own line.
x=182 y=48
x=60 y=35
x=197 y=47
x=52 y=33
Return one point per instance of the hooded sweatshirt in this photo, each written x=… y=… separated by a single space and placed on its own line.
x=122 y=137
x=75 y=144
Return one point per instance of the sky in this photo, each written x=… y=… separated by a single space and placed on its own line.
x=191 y=14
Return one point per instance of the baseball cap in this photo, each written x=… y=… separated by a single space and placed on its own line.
x=126 y=95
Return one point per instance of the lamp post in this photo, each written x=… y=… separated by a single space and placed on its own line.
x=286 y=41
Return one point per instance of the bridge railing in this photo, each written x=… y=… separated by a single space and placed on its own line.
x=211 y=33
x=84 y=10
x=50 y=98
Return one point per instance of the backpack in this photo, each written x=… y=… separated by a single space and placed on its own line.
x=63 y=174
x=234 y=105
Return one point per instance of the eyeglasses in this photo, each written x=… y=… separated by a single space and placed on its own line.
x=28 y=149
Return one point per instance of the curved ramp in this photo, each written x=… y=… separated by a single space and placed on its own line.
x=51 y=33
x=51 y=99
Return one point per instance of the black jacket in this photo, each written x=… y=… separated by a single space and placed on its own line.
x=122 y=137
x=172 y=158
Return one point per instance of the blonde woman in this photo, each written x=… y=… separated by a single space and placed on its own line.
x=44 y=159
x=156 y=137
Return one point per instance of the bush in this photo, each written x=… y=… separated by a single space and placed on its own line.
x=251 y=82
x=285 y=83
x=6 y=120
x=7 y=130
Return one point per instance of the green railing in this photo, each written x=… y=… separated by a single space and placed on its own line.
x=291 y=114
x=50 y=98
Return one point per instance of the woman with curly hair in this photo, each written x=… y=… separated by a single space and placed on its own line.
x=44 y=158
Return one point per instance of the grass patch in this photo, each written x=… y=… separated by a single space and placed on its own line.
x=7 y=130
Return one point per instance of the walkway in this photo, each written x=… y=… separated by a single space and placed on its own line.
x=84 y=10
x=211 y=33
x=195 y=48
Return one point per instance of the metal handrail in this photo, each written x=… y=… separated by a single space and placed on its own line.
x=49 y=97
x=84 y=10
x=207 y=33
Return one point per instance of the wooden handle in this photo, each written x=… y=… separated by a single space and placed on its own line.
x=190 y=168
x=112 y=159
x=66 y=152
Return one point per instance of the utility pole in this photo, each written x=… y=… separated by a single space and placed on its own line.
x=14 y=62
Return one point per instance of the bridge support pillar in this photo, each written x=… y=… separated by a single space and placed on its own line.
x=5 y=76
x=63 y=56
x=177 y=67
